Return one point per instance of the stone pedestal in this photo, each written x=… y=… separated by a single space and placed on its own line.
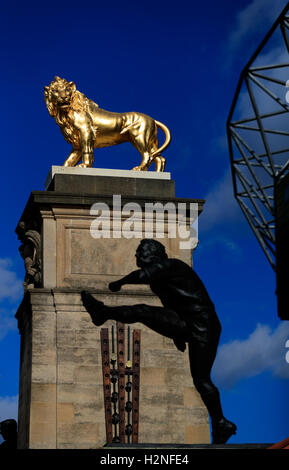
x=61 y=394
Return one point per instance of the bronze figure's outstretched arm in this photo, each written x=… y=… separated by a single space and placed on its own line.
x=135 y=277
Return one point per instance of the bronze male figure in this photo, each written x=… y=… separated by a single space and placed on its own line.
x=187 y=316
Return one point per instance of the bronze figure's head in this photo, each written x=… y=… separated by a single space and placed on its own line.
x=149 y=251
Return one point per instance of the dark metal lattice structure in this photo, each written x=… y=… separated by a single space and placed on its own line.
x=259 y=141
x=121 y=380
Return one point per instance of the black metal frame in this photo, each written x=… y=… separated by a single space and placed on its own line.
x=121 y=381
x=256 y=196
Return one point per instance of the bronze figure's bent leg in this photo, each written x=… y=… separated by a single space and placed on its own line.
x=168 y=323
x=202 y=356
x=164 y=321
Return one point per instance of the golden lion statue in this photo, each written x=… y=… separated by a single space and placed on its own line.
x=86 y=126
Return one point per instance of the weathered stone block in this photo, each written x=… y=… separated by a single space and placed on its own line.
x=93 y=413
x=65 y=413
x=156 y=396
x=43 y=412
x=198 y=434
x=65 y=373
x=192 y=397
x=87 y=394
x=79 y=355
x=174 y=376
x=80 y=433
x=42 y=436
x=153 y=376
x=66 y=338
x=162 y=358
x=43 y=373
x=43 y=393
x=44 y=355
x=88 y=338
x=43 y=338
x=86 y=374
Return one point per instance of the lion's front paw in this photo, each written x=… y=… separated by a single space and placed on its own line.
x=82 y=165
x=139 y=168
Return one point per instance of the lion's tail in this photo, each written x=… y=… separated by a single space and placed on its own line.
x=167 y=141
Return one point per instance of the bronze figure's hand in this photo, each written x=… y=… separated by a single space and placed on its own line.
x=114 y=286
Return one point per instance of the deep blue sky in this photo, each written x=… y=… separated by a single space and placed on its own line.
x=180 y=64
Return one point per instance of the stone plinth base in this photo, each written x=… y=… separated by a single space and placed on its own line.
x=76 y=171
x=61 y=388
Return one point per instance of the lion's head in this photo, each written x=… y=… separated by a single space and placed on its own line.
x=59 y=97
x=58 y=94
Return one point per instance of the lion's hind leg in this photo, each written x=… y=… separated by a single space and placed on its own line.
x=160 y=163
x=140 y=145
x=73 y=159
x=144 y=165
x=146 y=142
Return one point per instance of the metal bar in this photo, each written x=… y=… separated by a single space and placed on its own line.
x=284 y=25
x=121 y=380
x=268 y=186
x=128 y=343
x=113 y=380
x=264 y=139
x=252 y=59
x=231 y=153
x=267 y=168
x=275 y=152
x=270 y=79
x=269 y=244
x=269 y=247
x=256 y=233
x=106 y=383
x=266 y=200
x=283 y=169
x=244 y=183
x=262 y=116
x=249 y=188
x=269 y=92
x=128 y=405
x=268 y=131
x=268 y=67
x=135 y=384
x=261 y=155
x=267 y=241
x=260 y=197
x=256 y=222
x=254 y=196
x=252 y=163
x=260 y=227
x=128 y=387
